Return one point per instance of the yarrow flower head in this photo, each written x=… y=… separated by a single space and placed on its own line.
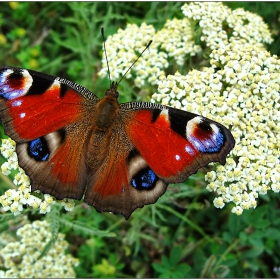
x=174 y=41
x=122 y=50
x=15 y=200
x=177 y=40
x=220 y=25
x=20 y=258
x=240 y=90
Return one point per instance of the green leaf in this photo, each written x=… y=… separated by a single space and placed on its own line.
x=256 y=242
x=262 y=224
x=175 y=255
x=258 y=214
x=183 y=269
x=259 y=234
x=231 y=260
x=53 y=219
x=164 y=275
x=165 y=262
x=233 y=225
x=6 y=217
x=273 y=233
x=254 y=252
x=158 y=267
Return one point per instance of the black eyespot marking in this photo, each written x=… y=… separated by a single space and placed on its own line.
x=205 y=125
x=62 y=134
x=133 y=153
x=16 y=75
x=145 y=179
x=38 y=149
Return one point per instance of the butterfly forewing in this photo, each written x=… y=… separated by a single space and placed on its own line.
x=176 y=143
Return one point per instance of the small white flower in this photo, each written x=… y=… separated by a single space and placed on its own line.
x=45 y=207
x=237 y=210
x=69 y=204
x=5 y=168
x=218 y=202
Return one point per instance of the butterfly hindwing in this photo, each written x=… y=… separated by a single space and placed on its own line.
x=122 y=180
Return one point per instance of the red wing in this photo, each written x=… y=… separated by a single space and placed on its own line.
x=33 y=104
x=49 y=118
x=175 y=143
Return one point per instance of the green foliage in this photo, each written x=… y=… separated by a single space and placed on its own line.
x=182 y=235
x=54 y=224
x=170 y=267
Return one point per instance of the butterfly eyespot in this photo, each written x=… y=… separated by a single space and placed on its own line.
x=15 y=83
x=16 y=76
x=38 y=149
x=204 y=135
x=205 y=126
x=141 y=176
x=145 y=179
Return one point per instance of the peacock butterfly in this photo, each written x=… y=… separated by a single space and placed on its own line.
x=118 y=156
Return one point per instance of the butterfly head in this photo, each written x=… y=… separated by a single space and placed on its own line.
x=113 y=90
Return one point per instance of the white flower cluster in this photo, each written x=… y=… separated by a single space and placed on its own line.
x=210 y=17
x=175 y=41
x=244 y=94
x=20 y=258
x=220 y=25
x=8 y=150
x=14 y=200
x=123 y=49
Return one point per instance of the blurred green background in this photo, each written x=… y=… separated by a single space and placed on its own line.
x=183 y=234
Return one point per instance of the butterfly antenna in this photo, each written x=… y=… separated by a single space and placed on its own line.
x=103 y=38
x=134 y=62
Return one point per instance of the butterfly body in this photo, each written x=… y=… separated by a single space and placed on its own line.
x=118 y=156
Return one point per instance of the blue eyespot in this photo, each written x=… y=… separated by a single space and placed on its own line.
x=145 y=179
x=212 y=144
x=38 y=149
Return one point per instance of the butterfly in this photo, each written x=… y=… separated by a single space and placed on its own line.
x=119 y=157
